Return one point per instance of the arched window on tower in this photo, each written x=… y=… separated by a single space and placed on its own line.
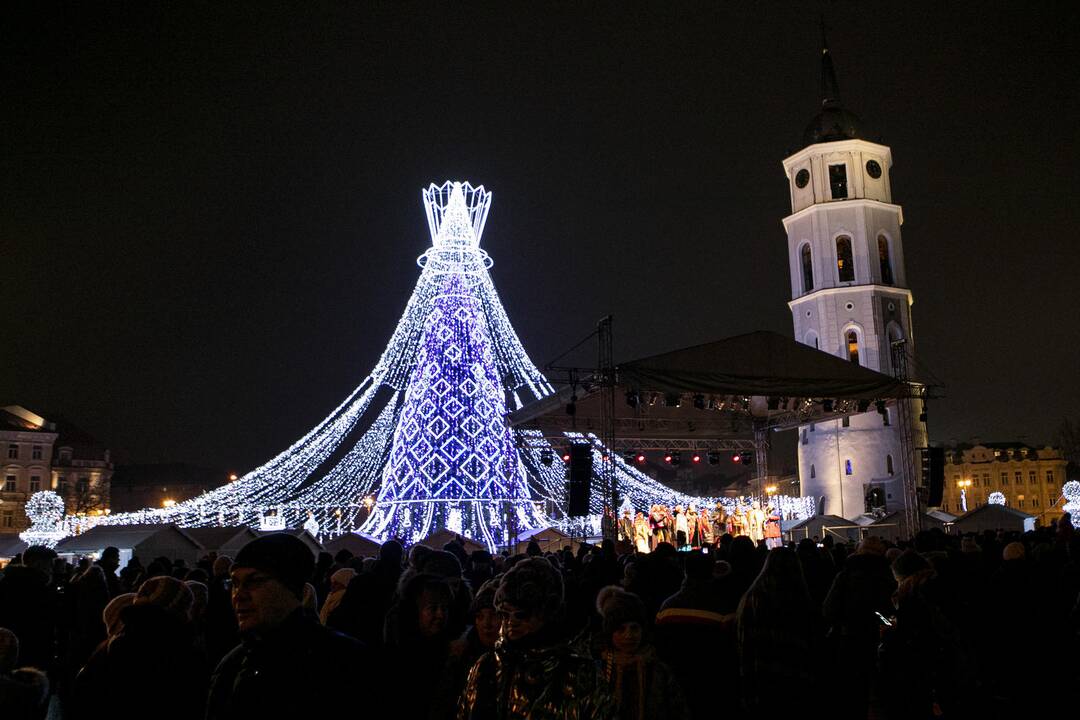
x=807 y=269
x=845 y=265
x=888 y=464
x=813 y=472
x=847 y=467
x=884 y=259
x=852 y=339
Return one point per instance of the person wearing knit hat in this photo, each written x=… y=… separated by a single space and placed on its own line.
x=283 y=556
x=283 y=648
x=167 y=593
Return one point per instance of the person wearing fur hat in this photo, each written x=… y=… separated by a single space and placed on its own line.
x=642 y=685
x=156 y=639
x=284 y=652
x=533 y=672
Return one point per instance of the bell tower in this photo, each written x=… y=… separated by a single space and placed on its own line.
x=849 y=298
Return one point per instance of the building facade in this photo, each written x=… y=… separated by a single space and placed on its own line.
x=39 y=454
x=849 y=298
x=1030 y=478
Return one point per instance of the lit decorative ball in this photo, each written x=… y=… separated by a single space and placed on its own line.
x=45 y=509
x=996 y=498
x=1071 y=492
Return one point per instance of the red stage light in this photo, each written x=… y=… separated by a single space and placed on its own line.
x=667 y=458
x=640 y=458
x=736 y=457
x=566 y=457
x=696 y=458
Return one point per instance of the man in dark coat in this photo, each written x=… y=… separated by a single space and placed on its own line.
x=285 y=655
x=29 y=606
x=369 y=596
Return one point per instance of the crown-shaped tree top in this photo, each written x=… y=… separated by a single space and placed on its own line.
x=456 y=213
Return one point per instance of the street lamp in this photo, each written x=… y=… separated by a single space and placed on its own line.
x=963 y=485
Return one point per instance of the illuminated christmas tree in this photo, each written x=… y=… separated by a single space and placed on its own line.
x=453 y=462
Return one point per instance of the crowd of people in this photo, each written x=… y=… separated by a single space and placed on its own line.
x=689 y=529
x=941 y=626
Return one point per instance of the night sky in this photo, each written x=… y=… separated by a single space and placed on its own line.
x=209 y=216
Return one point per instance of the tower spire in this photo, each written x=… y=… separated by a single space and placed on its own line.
x=830 y=89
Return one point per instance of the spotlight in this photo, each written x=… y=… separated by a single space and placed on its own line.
x=566 y=456
x=668 y=457
x=629 y=456
x=748 y=459
x=696 y=458
x=699 y=402
x=714 y=457
x=547 y=457
x=736 y=458
x=675 y=458
x=632 y=398
x=826 y=405
x=640 y=458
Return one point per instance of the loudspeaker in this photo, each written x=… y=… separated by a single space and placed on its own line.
x=933 y=474
x=579 y=484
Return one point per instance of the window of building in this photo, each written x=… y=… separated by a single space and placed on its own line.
x=1033 y=478
x=838 y=181
x=888 y=464
x=804 y=436
x=35 y=452
x=986 y=479
x=1049 y=476
x=813 y=471
x=845 y=264
x=847 y=467
x=83 y=485
x=13 y=452
x=61 y=485
x=846 y=422
x=852 y=338
x=7 y=519
x=807 y=268
x=9 y=483
x=1020 y=502
x=883 y=258
x=1018 y=477
x=1034 y=502
x=1004 y=478
x=35 y=483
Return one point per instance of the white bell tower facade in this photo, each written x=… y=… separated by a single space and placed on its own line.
x=849 y=298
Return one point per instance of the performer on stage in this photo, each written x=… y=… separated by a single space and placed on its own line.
x=772 y=528
x=641 y=534
x=755 y=519
x=626 y=528
x=682 y=529
x=738 y=523
x=656 y=526
x=693 y=537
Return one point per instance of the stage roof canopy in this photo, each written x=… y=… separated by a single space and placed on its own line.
x=719 y=391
